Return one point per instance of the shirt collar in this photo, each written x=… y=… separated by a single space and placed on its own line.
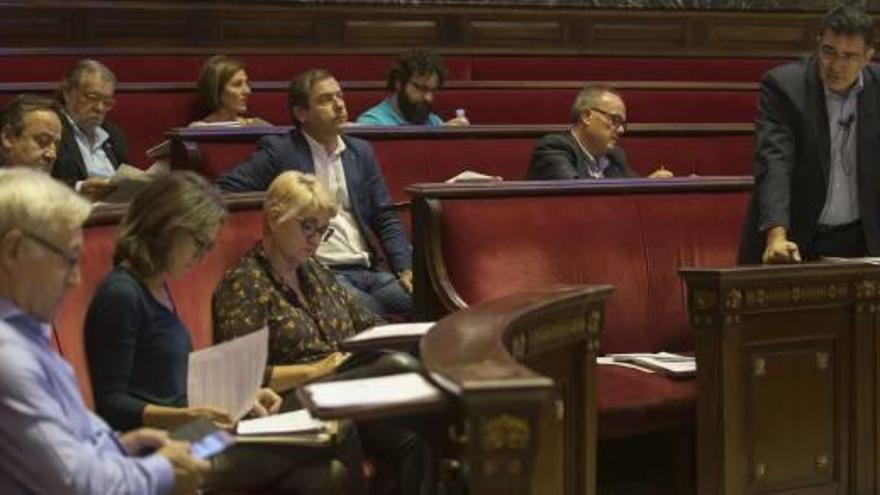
x=319 y=150
x=599 y=163
x=853 y=92
x=101 y=135
x=9 y=311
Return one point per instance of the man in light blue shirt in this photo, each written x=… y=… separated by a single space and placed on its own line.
x=51 y=442
x=414 y=80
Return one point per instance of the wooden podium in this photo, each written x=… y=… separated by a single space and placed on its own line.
x=787 y=375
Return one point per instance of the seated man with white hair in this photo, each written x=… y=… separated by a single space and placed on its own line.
x=52 y=442
x=91 y=147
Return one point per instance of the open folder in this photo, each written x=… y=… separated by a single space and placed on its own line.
x=396 y=335
x=299 y=421
x=390 y=395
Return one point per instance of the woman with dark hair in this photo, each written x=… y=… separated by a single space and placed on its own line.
x=138 y=348
x=223 y=93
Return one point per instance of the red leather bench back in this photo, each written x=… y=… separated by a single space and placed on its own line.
x=635 y=241
x=192 y=293
x=366 y=67
x=147 y=112
x=410 y=158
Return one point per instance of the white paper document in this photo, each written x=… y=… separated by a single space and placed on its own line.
x=664 y=362
x=403 y=388
x=228 y=375
x=871 y=260
x=299 y=421
x=471 y=176
x=609 y=361
x=392 y=331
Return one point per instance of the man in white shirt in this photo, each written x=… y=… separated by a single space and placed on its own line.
x=91 y=148
x=348 y=169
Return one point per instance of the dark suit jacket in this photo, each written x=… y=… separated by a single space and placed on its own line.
x=368 y=194
x=558 y=156
x=69 y=165
x=793 y=158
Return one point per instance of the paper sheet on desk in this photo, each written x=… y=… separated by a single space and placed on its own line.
x=403 y=388
x=391 y=331
x=228 y=375
x=299 y=421
x=871 y=260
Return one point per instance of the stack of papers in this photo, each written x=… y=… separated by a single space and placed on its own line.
x=299 y=421
x=130 y=180
x=228 y=375
x=372 y=397
x=674 y=365
x=471 y=176
x=388 y=335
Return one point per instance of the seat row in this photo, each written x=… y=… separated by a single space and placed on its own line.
x=412 y=155
x=146 y=111
x=178 y=66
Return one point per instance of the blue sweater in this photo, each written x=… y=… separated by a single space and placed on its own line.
x=137 y=350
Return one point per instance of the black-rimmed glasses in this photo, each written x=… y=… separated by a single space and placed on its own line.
x=311 y=230
x=616 y=121
x=71 y=260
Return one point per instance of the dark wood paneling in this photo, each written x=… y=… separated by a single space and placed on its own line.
x=459 y=29
x=281 y=30
x=26 y=27
x=372 y=32
x=615 y=35
x=515 y=32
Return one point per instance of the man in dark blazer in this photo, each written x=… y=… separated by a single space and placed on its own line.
x=817 y=151
x=589 y=149
x=30 y=130
x=348 y=169
x=91 y=149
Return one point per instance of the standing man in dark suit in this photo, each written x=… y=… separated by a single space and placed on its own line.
x=817 y=151
x=91 y=149
x=589 y=150
x=348 y=169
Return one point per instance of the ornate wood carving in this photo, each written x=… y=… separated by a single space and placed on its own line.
x=785 y=356
x=459 y=28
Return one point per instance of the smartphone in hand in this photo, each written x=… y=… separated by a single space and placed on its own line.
x=206 y=440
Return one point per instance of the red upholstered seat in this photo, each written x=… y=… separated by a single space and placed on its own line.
x=95 y=262
x=631 y=402
x=366 y=67
x=192 y=292
x=512 y=68
x=494 y=246
x=686 y=155
x=185 y=68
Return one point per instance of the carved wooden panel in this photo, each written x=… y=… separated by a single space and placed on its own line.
x=732 y=33
x=617 y=35
x=283 y=29
x=385 y=32
x=546 y=30
x=791 y=401
x=556 y=438
x=20 y=27
x=485 y=32
x=128 y=28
